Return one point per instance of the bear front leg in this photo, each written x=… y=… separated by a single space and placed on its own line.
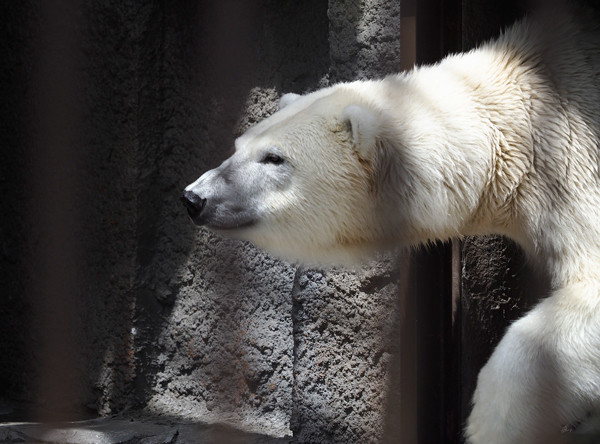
x=543 y=375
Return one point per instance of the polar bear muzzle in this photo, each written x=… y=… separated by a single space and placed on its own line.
x=223 y=199
x=194 y=205
x=218 y=213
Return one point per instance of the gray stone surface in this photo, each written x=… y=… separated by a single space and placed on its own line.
x=344 y=325
x=364 y=38
x=131 y=431
x=119 y=430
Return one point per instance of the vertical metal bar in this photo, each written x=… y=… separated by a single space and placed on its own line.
x=55 y=215
x=407 y=405
x=407 y=408
x=428 y=278
x=437 y=272
x=454 y=421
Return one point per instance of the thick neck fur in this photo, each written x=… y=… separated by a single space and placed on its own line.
x=497 y=141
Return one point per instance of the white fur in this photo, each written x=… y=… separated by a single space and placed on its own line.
x=504 y=139
x=288 y=98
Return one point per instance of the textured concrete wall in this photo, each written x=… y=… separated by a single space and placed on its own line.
x=345 y=333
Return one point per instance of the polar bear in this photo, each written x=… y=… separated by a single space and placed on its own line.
x=504 y=139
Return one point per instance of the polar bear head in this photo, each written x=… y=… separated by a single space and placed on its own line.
x=304 y=183
x=334 y=175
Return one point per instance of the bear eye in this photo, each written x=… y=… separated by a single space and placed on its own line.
x=272 y=158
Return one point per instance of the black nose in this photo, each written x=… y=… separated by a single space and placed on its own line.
x=193 y=203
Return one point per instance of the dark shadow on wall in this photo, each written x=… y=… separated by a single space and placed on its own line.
x=109 y=110
x=72 y=132
x=45 y=314
x=15 y=313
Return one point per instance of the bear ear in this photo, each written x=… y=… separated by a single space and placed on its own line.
x=288 y=98
x=363 y=125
